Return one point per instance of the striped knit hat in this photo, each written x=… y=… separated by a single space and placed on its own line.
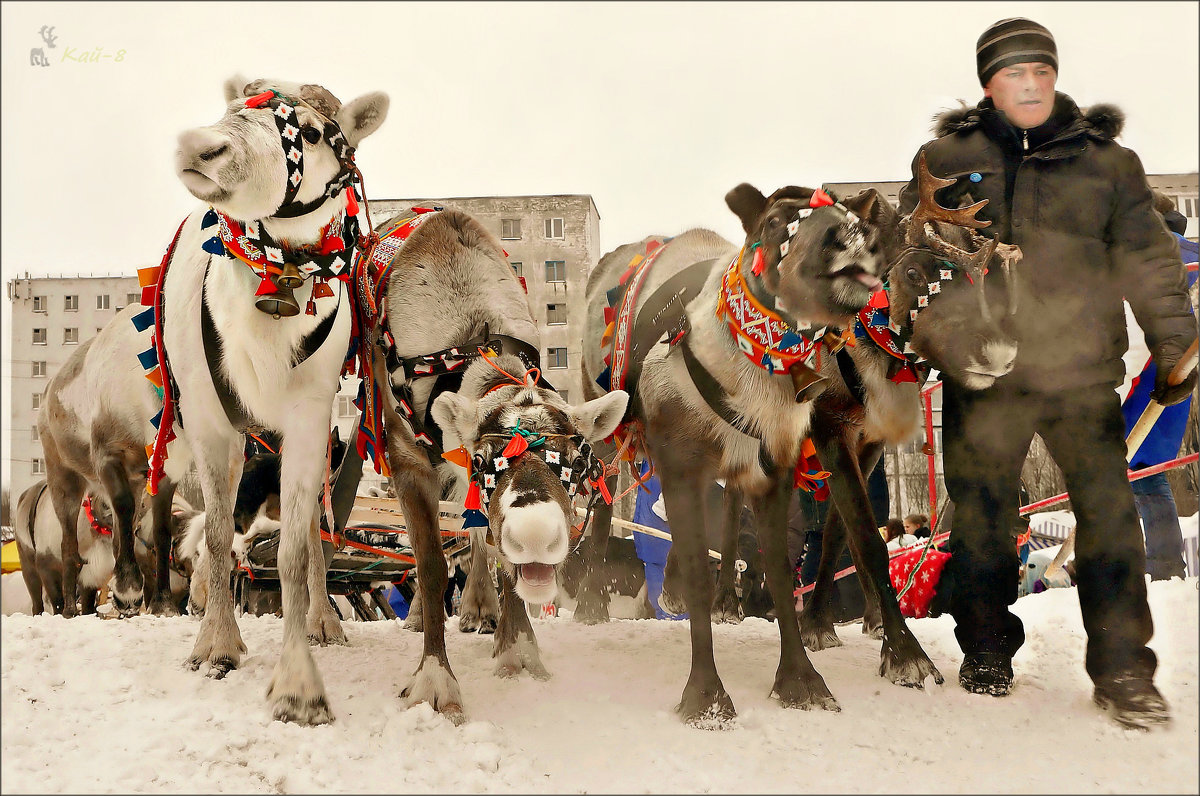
x=1013 y=41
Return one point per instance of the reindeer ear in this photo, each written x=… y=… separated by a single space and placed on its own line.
x=361 y=117
x=456 y=415
x=747 y=203
x=234 y=88
x=599 y=417
x=874 y=207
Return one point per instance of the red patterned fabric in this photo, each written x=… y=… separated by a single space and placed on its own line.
x=914 y=602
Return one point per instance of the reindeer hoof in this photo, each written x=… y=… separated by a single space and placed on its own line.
x=473 y=623
x=164 y=606
x=310 y=712
x=797 y=692
x=908 y=668
x=126 y=608
x=706 y=710
x=591 y=611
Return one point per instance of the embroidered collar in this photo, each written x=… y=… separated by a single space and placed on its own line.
x=253 y=245
x=763 y=336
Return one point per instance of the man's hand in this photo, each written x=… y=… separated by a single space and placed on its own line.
x=1167 y=394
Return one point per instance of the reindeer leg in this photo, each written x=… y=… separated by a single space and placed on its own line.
x=515 y=647
x=127 y=593
x=726 y=606
x=903 y=661
x=816 y=620
x=87 y=601
x=797 y=683
x=417 y=485
x=672 y=595
x=66 y=493
x=297 y=692
x=705 y=703
x=33 y=579
x=323 y=624
x=591 y=601
x=219 y=643
x=480 y=607
x=161 y=603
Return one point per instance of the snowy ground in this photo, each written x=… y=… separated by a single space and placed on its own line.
x=94 y=705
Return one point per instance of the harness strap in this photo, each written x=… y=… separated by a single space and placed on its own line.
x=663 y=316
x=213 y=349
x=851 y=376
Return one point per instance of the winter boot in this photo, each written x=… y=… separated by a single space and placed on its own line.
x=1132 y=701
x=986 y=673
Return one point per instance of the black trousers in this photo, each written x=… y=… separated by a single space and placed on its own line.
x=986 y=437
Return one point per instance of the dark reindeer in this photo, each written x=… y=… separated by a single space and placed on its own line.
x=937 y=315
x=709 y=401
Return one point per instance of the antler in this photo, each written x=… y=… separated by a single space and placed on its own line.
x=928 y=209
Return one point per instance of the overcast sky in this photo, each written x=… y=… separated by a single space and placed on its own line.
x=655 y=109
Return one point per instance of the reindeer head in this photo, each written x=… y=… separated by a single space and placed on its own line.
x=249 y=165
x=936 y=289
x=819 y=258
x=530 y=453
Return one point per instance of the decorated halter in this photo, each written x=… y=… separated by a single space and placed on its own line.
x=90 y=513
x=767 y=339
x=254 y=246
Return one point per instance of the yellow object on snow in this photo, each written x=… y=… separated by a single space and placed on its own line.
x=9 y=558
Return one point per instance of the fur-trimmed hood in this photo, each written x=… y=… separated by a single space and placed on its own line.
x=1104 y=120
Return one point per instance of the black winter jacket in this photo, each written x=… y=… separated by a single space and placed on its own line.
x=1082 y=213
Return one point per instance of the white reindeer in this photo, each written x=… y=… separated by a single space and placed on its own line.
x=244 y=166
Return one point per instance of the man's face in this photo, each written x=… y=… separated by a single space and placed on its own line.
x=1024 y=93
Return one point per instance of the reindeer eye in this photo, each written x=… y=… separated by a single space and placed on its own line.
x=915 y=276
x=773 y=222
x=311 y=134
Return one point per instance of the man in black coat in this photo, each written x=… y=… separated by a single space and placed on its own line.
x=1078 y=205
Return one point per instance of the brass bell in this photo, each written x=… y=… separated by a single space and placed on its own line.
x=279 y=304
x=289 y=277
x=806 y=382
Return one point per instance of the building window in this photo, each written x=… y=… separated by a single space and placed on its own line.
x=39 y=303
x=556 y=271
x=1189 y=206
x=102 y=302
x=33 y=434
x=71 y=336
x=37 y=401
x=72 y=304
x=563 y=394
x=556 y=357
x=510 y=229
x=39 y=368
x=518 y=268
x=554 y=228
x=39 y=336
x=556 y=313
x=38 y=467
x=346 y=406
x=133 y=298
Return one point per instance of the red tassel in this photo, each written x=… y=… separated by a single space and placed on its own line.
x=351 y=202
x=602 y=485
x=472 y=501
x=820 y=199
x=515 y=447
x=266 y=287
x=759 y=262
x=259 y=99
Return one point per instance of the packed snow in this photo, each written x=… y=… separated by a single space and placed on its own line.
x=98 y=705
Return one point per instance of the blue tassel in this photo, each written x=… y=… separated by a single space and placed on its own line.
x=790 y=339
x=213 y=246
x=148 y=358
x=605 y=379
x=209 y=219
x=768 y=363
x=474 y=518
x=154 y=421
x=144 y=319
x=614 y=295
